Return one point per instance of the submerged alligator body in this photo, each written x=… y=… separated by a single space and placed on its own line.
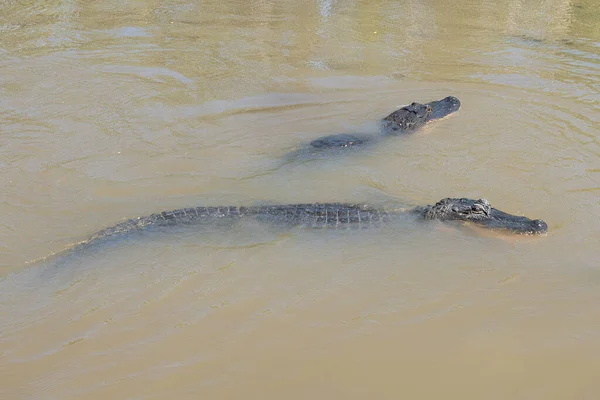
x=406 y=120
x=331 y=215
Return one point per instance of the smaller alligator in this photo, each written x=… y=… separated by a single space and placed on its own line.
x=329 y=215
x=406 y=120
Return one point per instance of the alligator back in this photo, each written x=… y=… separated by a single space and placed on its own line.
x=318 y=215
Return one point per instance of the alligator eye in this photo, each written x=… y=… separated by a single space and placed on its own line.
x=478 y=207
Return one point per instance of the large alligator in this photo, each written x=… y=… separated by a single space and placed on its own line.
x=408 y=119
x=332 y=216
x=325 y=215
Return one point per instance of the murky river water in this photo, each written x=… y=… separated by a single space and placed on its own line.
x=110 y=110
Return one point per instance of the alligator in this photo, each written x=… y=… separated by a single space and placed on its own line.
x=328 y=215
x=407 y=119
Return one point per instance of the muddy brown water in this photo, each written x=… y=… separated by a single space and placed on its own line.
x=110 y=110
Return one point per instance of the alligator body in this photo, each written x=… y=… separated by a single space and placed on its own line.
x=406 y=120
x=322 y=215
x=332 y=216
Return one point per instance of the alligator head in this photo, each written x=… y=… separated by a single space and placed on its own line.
x=443 y=108
x=479 y=212
x=412 y=117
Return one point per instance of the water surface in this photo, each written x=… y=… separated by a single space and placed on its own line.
x=111 y=110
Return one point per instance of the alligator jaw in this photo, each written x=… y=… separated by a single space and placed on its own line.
x=480 y=213
x=443 y=108
x=500 y=220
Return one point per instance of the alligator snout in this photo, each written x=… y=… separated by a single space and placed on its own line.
x=540 y=226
